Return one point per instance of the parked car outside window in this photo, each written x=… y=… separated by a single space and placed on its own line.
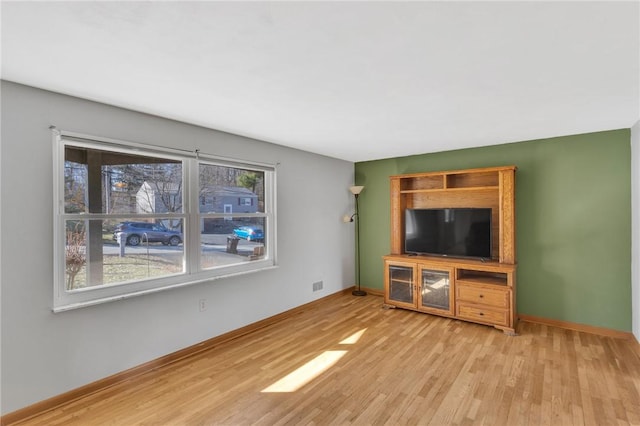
x=141 y=232
x=249 y=233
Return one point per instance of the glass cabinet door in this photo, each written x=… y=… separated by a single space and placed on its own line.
x=435 y=290
x=401 y=285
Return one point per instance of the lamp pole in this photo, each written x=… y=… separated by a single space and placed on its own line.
x=359 y=291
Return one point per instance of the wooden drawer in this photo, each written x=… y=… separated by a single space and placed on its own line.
x=483 y=314
x=482 y=295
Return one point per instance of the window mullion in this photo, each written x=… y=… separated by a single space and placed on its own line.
x=192 y=230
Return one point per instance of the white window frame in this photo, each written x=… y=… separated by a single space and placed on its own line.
x=64 y=299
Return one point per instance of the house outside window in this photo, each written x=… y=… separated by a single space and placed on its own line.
x=132 y=219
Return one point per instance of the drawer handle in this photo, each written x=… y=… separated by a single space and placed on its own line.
x=481 y=314
x=481 y=296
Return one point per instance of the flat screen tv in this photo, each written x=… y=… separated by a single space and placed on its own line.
x=456 y=232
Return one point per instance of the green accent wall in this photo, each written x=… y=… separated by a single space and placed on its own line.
x=573 y=221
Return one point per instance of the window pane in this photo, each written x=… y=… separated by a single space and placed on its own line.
x=97 y=181
x=227 y=242
x=230 y=190
x=118 y=198
x=104 y=252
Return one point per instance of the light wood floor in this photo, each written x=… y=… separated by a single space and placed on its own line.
x=405 y=368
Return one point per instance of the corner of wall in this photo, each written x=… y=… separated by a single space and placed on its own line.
x=635 y=229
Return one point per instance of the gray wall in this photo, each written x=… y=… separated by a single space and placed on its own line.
x=635 y=228
x=45 y=354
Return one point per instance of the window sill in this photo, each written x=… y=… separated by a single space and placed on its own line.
x=99 y=301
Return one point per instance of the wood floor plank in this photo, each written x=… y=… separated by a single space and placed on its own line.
x=391 y=367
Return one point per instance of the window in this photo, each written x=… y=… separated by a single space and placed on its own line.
x=132 y=219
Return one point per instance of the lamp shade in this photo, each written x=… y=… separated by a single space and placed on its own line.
x=355 y=190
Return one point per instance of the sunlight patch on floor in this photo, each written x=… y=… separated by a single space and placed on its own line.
x=303 y=375
x=353 y=339
x=312 y=369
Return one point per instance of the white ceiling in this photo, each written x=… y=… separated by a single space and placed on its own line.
x=351 y=80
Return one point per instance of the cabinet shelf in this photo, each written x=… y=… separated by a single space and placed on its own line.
x=482 y=277
x=401 y=281
x=474 y=188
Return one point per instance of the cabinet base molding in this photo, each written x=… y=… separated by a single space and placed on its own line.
x=508 y=331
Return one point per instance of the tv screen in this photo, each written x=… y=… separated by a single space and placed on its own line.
x=458 y=232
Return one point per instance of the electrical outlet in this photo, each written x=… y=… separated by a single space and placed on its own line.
x=202 y=305
x=317 y=286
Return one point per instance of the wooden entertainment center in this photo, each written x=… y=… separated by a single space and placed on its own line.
x=481 y=291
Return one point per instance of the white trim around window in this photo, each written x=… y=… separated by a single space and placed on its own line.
x=132 y=219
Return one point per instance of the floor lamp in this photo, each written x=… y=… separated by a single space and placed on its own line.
x=356 y=190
